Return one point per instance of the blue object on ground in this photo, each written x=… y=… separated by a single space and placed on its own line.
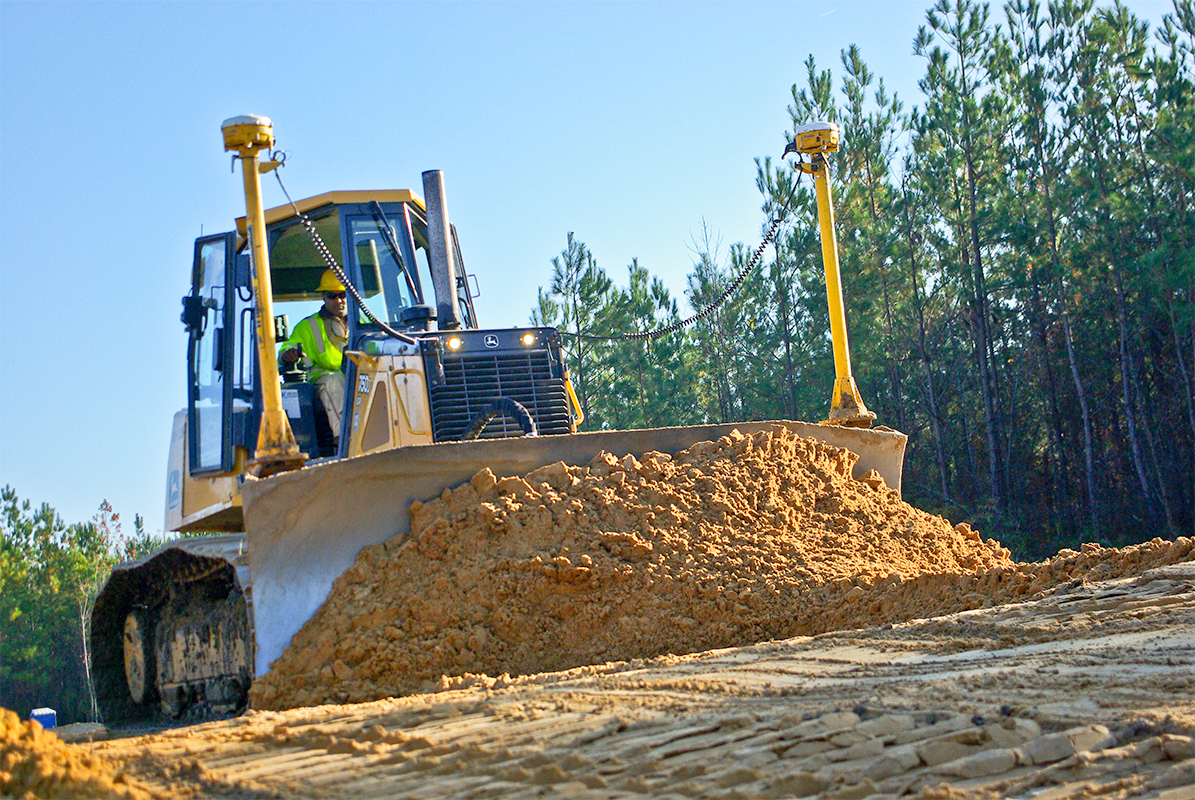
x=47 y=717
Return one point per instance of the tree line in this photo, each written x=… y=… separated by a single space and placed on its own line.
x=1018 y=254
x=50 y=573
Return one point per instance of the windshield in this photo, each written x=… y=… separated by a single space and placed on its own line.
x=295 y=263
x=377 y=243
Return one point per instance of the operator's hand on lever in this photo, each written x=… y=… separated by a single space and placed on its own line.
x=292 y=354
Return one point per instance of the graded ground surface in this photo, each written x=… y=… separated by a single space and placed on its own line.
x=1086 y=691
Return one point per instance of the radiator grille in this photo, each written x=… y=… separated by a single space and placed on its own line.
x=475 y=380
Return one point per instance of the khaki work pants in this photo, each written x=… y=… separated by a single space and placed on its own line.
x=330 y=387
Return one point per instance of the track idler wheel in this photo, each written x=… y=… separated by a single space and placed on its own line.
x=139 y=668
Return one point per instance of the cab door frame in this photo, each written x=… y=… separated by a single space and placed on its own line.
x=208 y=314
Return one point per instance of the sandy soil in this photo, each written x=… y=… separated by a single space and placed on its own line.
x=1087 y=691
x=35 y=763
x=729 y=543
x=743 y=620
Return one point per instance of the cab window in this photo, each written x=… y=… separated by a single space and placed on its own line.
x=377 y=244
x=296 y=266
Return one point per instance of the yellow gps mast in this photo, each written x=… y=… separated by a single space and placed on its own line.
x=816 y=140
x=277 y=450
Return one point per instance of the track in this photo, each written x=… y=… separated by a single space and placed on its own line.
x=1087 y=692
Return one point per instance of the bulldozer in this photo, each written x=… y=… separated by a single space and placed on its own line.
x=430 y=399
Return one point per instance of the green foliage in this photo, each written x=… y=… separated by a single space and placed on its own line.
x=619 y=384
x=1018 y=259
x=50 y=573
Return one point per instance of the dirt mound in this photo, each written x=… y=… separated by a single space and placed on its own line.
x=938 y=595
x=730 y=542
x=35 y=763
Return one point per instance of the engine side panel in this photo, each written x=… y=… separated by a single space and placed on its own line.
x=198 y=503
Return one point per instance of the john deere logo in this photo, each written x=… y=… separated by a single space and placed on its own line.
x=491 y=340
x=173 y=489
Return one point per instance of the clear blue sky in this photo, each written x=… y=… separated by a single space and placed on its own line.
x=628 y=123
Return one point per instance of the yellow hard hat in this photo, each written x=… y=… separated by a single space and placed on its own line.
x=328 y=282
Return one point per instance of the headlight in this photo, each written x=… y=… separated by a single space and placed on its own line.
x=528 y=339
x=455 y=342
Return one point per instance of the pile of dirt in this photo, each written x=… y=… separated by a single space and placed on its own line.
x=728 y=543
x=933 y=595
x=35 y=763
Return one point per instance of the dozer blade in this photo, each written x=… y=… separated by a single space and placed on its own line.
x=305 y=528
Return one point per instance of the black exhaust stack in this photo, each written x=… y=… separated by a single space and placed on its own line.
x=439 y=236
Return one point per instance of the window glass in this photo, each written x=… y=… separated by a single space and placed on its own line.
x=244 y=351
x=296 y=267
x=425 y=273
x=208 y=378
x=422 y=263
x=383 y=283
x=463 y=299
x=295 y=264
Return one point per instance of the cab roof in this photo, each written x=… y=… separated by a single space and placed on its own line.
x=337 y=198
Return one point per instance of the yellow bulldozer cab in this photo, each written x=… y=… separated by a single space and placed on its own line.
x=296 y=264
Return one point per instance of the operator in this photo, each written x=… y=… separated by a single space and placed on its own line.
x=317 y=345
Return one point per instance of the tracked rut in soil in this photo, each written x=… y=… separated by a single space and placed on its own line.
x=1086 y=692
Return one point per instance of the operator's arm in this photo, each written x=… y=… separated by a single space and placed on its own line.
x=292 y=350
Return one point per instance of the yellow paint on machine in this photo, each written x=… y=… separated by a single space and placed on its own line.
x=200 y=504
x=276 y=213
x=390 y=405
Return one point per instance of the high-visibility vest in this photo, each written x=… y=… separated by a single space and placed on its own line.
x=321 y=351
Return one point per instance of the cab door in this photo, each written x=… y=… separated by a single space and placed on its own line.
x=210 y=322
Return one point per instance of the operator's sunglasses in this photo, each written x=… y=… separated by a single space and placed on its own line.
x=337 y=295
